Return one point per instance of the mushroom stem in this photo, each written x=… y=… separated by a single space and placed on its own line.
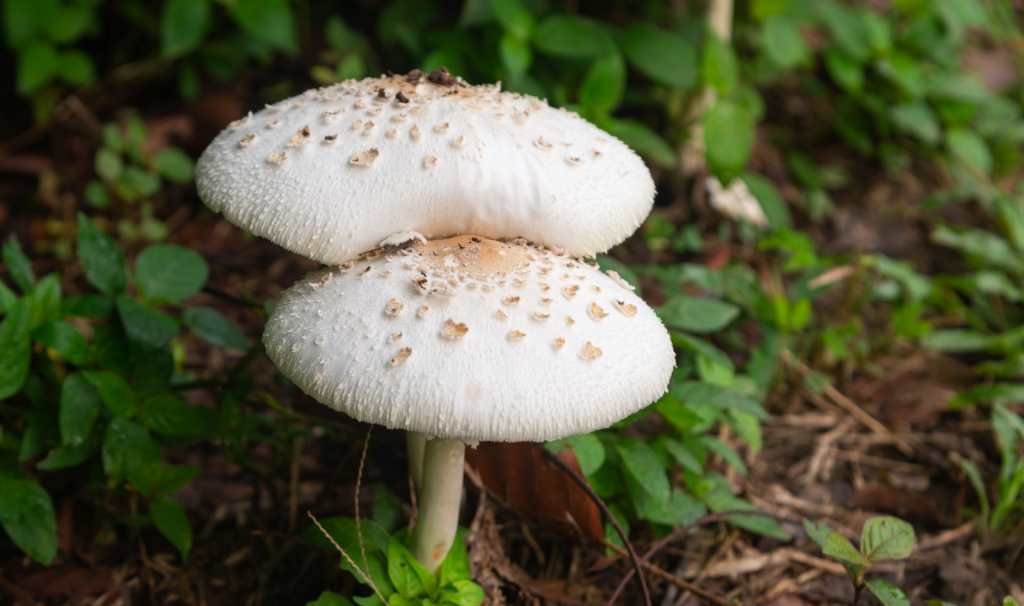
x=439 y=497
x=414 y=444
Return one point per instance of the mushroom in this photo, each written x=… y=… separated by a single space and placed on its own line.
x=456 y=377
x=312 y=173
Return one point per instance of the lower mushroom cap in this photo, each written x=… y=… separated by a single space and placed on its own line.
x=472 y=339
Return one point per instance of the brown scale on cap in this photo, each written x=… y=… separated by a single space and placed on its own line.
x=514 y=335
x=590 y=352
x=402 y=355
x=422 y=311
x=596 y=312
x=627 y=309
x=453 y=331
x=393 y=308
x=364 y=159
x=558 y=343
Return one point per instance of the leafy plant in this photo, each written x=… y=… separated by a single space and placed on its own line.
x=383 y=564
x=882 y=538
x=92 y=383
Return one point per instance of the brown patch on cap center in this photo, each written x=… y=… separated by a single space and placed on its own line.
x=473 y=256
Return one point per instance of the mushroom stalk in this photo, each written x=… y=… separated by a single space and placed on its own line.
x=439 y=496
x=414 y=444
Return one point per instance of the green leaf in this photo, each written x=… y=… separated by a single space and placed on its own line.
x=730 y=456
x=723 y=500
x=101 y=258
x=145 y=325
x=26 y=514
x=918 y=120
x=462 y=593
x=661 y=55
x=643 y=140
x=108 y=164
x=573 y=36
x=213 y=327
x=696 y=314
x=15 y=347
x=269 y=21
x=76 y=68
x=171 y=273
x=681 y=509
x=887 y=593
x=69 y=23
x=153 y=477
x=729 y=131
x=684 y=456
x=720 y=69
x=116 y=394
x=182 y=25
x=968 y=147
x=410 y=578
x=455 y=566
x=513 y=17
x=959 y=341
x=515 y=53
x=839 y=547
x=79 y=408
x=127 y=448
x=604 y=84
x=1011 y=215
x=7 y=298
x=846 y=72
x=65 y=339
x=329 y=598
x=38 y=65
x=44 y=300
x=589 y=452
x=644 y=465
x=771 y=202
x=167 y=414
x=170 y=519
x=63 y=457
x=783 y=43
x=18 y=265
x=974 y=477
x=174 y=165
x=982 y=244
x=887 y=538
x=817 y=531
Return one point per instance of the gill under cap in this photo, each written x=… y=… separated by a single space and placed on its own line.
x=332 y=172
x=472 y=339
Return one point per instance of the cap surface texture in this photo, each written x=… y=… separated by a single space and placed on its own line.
x=332 y=172
x=472 y=339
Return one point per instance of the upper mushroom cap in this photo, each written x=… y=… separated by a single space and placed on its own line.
x=332 y=172
x=472 y=339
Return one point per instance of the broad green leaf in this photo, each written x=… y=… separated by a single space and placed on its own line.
x=213 y=327
x=681 y=509
x=69 y=22
x=984 y=245
x=127 y=447
x=771 y=202
x=846 y=27
x=15 y=347
x=514 y=17
x=918 y=120
x=959 y=341
x=589 y=452
x=38 y=65
x=887 y=593
x=18 y=265
x=26 y=514
x=661 y=55
x=44 y=300
x=720 y=69
x=783 y=43
x=76 y=68
x=604 y=84
x=65 y=339
x=887 y=538
x=268 y=21
x=90 y=306
x=329 y=598
x=644 y=465
x=462 y=593
x=573 y=36
x=108 y=164
x=167 y=414
x=455 y=566
x=515 y=53
x=7 y=298
x=817 y=531
x=170 y=519
x=174 y=165
x=643 y=140
x=729 y=131
x=409 y=577
x=696 y=314
x=63 y=457
x=968 y=147
x=723 y=500
x=144 y=324
x=1011 y=215
x=101 y=258
x=171 y=273
x=153 y=477
x=79 y=408
x=684 y=456
x=116 y=394
x=182 y=25
x=839 y=547
x=846 y=72
x=730 y=456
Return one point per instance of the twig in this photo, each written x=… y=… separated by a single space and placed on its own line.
x=582 y=483
x=680 y=583
x=359 y=482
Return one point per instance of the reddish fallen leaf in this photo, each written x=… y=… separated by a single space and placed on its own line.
x=519 y=475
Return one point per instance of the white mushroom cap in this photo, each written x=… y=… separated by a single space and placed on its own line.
x=472 y=339
x=332 y=172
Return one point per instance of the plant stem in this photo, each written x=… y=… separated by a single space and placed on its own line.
x=719 y=23
x=439 y=496
x=414 y=443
